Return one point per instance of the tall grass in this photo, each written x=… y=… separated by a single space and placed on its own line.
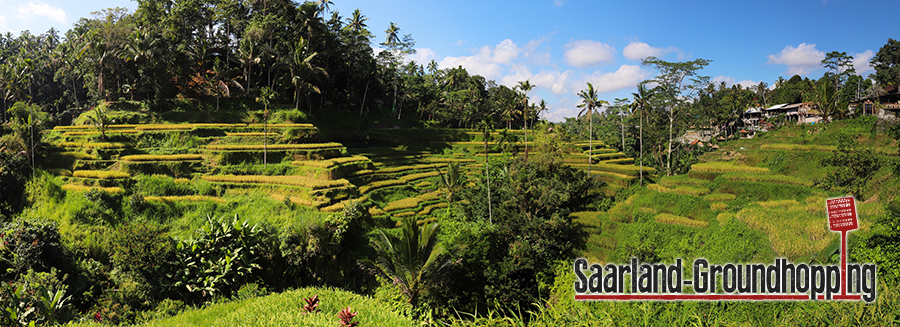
x=792 y=228
x=285 y=309
x=379 y=184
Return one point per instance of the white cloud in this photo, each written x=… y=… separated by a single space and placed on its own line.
x=31 y=9
x=800 y=60
x=486 y=60
x=558 y=2
x=2 y=24
x=587 y=53
x=861 y=62
x=422 y=56
x=641 y=50
x=459 y=43
x=729 y=81
x=626 y=76
x=563 y=108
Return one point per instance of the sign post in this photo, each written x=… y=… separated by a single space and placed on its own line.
x=842 y=218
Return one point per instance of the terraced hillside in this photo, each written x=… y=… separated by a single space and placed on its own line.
x=395 y=175
x=762 y=189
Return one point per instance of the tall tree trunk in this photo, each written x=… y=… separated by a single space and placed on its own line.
x=362 y=105
x=590 y=140
x=487 y=174
x=642 y=147
x=669 y=154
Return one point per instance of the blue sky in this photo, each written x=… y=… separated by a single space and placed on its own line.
x=560 y=45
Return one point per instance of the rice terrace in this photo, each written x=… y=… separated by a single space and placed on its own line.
x=275 y=163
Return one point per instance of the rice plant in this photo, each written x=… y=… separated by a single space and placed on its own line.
x=161 y=157
x=191 y=198
x=302 y=181
x=671 y=219
x=727 y=167
x=85 y=188
x=100 y=174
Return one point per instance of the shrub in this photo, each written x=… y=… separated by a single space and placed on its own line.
x=147 y=254
x=31 y=244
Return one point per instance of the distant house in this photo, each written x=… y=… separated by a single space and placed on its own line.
x=885 y=105
x=753 y=115
x=802 y=113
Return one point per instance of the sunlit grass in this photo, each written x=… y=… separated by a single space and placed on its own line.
x=100 y=174
x=161 y=157
x=671 y=219
x=725 y=167
x=85 y=188
x=302 y=181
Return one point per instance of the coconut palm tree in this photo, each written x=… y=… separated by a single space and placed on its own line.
x=589 y=102
x=302 y=70
x=525 y=87
x=411 y=260
x=642 y=103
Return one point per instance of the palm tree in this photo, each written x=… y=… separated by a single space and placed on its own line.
x=452 y=181
x=487 y=126
x=302 y=70
x=642 y=103
x=542 y=107
x=825 y=101
x=392 y=41
x=589 y=102
x=410 y=261
x=432 y=67
x=266 y=94
x=525 y=87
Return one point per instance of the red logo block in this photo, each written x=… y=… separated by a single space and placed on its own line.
x=842 y=214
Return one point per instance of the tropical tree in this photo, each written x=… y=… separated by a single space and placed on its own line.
x=886 y=63
x=641 y=103
x=542 y=107
x=452 y=181
x=302 y=70
x=677 y=84
x=525 y=87
x=410 y=261
x=397 y=48
x=589 y=102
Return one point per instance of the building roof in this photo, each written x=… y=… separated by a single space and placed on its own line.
x=777 y=106
x=753 y=110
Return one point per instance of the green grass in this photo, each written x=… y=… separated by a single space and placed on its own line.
x=285 y=309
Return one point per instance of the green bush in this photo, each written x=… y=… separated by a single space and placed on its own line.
x=145 y=252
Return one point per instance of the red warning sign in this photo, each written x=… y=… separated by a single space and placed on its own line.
x=842 y=214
